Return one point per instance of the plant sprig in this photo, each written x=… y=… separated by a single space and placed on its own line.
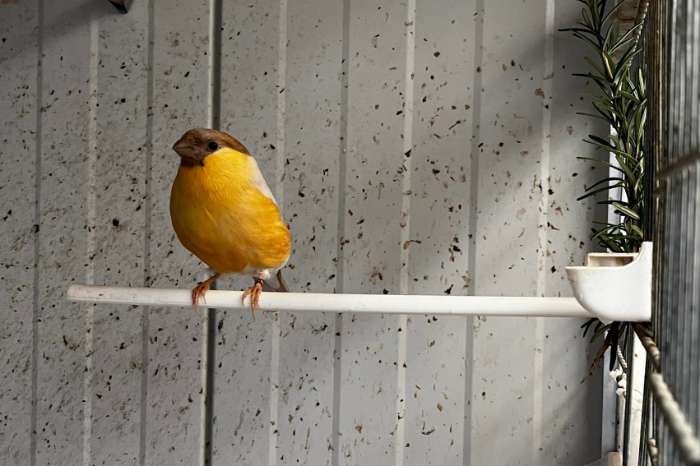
x=620 y=102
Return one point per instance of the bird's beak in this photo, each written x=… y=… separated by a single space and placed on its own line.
x=182 y=147
x=189 y=154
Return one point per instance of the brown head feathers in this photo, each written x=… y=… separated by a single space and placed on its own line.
x=196 y=144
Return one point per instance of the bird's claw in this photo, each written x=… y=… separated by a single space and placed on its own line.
x=200 y=290
x=254 y=293
x=198 y=293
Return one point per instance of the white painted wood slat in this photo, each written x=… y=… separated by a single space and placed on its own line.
x=568 y=416
x=505 y=408
x=19 y=50
x=438 y=246
x=174 y=392
x=64 y=235
x=245 y=387
x=312 y=118
x=372 y=350
x=119 y=97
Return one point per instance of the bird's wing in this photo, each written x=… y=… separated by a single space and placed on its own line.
x=259 y=181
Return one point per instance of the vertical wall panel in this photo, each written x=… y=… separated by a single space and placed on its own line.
x=118 y=199
x=438 y=244
x=312 y=132
x=571 y=416
x=174 y=371
x=505 y=407
x=245 y=425
x=64 y=235
x=370 y=364
x=249 y=81
x=18 y=110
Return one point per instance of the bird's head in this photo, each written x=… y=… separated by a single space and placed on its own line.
x=196 y=144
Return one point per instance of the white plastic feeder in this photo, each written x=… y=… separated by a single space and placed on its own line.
x=615 y=286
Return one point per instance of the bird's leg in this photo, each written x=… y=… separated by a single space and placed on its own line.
x=254 y=293
x=201 y=288
x=282 y=284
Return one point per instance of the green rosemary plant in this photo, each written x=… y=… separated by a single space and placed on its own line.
x=620 y=102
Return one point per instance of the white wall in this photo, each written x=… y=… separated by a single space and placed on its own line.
x=330 y=96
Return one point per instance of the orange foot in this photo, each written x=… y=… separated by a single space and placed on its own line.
x=254 y=292
x=201 y=288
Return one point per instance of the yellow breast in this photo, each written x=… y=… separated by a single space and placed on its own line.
x=221 y=214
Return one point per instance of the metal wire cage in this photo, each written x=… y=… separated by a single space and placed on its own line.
x=671 y=64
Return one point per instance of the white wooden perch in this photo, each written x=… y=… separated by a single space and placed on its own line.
x=326 y=302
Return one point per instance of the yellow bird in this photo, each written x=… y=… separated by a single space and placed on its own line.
x=223 y=211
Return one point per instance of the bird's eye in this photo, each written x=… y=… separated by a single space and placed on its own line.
x=212 y=146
